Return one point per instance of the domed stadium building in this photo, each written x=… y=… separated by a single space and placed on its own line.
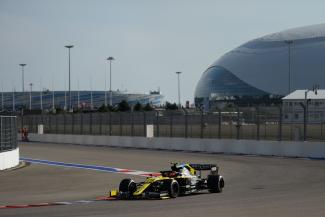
x=273 y=65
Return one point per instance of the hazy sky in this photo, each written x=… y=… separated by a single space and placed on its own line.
x=150 y=39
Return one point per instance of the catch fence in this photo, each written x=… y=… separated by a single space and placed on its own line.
x=8 y=133
x=256 y=123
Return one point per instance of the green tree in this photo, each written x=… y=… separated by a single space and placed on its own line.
x=123 y=106
x=137 y=107
x=170 y=106
x=147 y=107
x=103 y=108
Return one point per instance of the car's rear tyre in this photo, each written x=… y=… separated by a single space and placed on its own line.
x=127 y=185
x=215 y=183
x=173 y=190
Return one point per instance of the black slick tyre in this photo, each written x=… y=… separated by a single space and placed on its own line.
x=127 y=185
x=215 y=183
x=173 y=189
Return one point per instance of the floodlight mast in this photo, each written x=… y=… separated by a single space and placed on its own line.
x=179 y=90
x=69 y=47
x=110 y=59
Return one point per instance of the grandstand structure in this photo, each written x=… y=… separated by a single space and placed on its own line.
x=47 y=100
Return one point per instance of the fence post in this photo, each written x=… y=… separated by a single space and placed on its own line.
x=100 y=123
x=64 y=123
x=238 y=123
x=42 y=120
x=81 y=124
x=305 y=119
x=1 y=133
x=91 y=123
x=132 y=123
x=280 y=123
x=22 y=118
x=321 y=129
x=56 y=124
x=50 y=123
x=202 y=123
x=157 y=122
x=110 y=123
x=170 y=124
x=257 y=123
x=219 y=123
x=186 y=123
x=72 y=123
x=145 y=124
x=120 y=122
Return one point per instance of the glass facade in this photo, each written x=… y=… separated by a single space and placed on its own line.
x=21 y=100
x=217 y=83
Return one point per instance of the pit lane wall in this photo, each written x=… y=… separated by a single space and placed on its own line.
x=9 y=159
x=228 y=146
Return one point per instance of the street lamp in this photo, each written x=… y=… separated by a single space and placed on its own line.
x=110 y=59
x=22 y=75
x=179 y=90
x=69 y=47
x=289 y=42
x=23 y=79
x=30 y=96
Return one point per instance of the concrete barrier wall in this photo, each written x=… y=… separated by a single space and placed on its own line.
x=9 y=159
x=229 y=146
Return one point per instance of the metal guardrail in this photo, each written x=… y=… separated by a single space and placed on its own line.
x=8 y=133
x=239 y=123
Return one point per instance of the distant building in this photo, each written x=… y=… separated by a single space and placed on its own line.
x=293 y=111
x=266 y=68
x=18 y=100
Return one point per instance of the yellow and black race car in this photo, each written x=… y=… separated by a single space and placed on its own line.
x=182 y=179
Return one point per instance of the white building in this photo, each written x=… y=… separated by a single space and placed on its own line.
x=293 y=111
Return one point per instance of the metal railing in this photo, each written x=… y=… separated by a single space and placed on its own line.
x=257 y=123
x=8 y=133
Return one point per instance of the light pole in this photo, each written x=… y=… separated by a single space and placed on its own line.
x=289 y=43
x=69 y=47
x=22 y=76
x=110 y=59
x=23 y=80
x=30 y=96
x=179 y=89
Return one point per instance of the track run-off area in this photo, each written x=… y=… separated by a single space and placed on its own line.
x=255 y=186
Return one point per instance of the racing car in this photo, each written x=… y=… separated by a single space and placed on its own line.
x=182 y=179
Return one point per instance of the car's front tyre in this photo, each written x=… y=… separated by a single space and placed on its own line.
x=127 y=188
x=173 y=190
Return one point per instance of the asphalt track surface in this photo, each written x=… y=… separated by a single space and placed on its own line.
x=255 y=186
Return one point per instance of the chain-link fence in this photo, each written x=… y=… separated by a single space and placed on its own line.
x=258 y=123
x=8 y=133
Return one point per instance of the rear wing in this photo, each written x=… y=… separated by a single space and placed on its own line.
x=204 y=166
